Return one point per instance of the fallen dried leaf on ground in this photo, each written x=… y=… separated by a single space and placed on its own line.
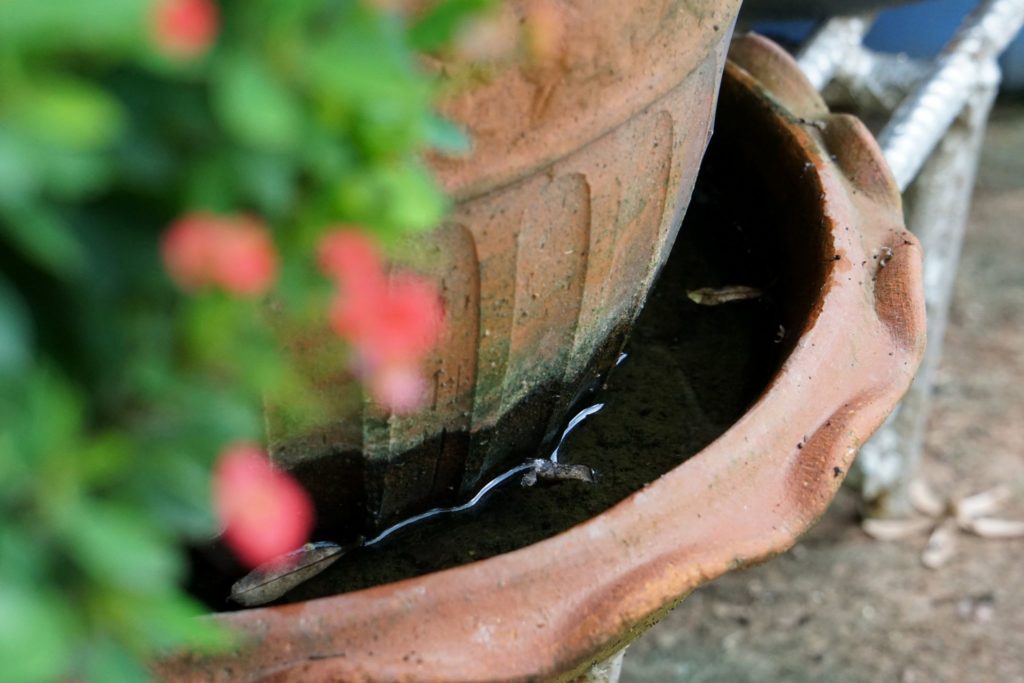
x=944 y=517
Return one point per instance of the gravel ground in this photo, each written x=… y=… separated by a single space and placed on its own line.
x=842 y=607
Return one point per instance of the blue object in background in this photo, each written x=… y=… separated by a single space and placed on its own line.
x=919 y=30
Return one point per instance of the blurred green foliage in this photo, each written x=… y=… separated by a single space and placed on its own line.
x=116 y=391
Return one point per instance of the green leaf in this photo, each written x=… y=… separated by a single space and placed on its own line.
x=328 y=155
x=15 y=332
x=74 y=174
x=68 y=112
x=362 y=58
x=106 y=25
x=18 y=168
x=171 y=621
x=213 y=322
x=175 y=487
x=118 y=547
x=106 y=661
x=210 y=184
x=23 y=558
x=50 y=416
x=105 y=459
x=254 y=107
x=269 y=180
x=30 y=167
x=396 y=198
x=442 y=21
x=417 y=203
x=39 y=233
x=388 y=128
x=212 y=415
x=36 y=633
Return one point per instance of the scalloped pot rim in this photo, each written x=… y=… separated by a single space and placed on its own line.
x=551 y=609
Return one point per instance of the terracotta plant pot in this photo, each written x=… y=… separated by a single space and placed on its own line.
x=854 y=314
x=567 y=207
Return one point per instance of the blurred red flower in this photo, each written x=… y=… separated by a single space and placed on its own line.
x=244 y=261
x=398 y=386
x=235 y=253
x=264 y=512
x=392 y=324
x=184 y=29
x=350 y=258
x=397 y=322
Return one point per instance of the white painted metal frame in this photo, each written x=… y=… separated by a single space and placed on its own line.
x=936 y=113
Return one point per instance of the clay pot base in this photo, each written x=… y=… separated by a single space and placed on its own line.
x=849 y=300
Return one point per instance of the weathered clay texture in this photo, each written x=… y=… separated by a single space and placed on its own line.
x=549 y=610
x=567 y=207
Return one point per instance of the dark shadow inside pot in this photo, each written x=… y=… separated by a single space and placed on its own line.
x=691 y=371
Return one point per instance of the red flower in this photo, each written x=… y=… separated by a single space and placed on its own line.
x=392 y=327
x=187 y=249
x=232 y=252
x=244 y=260
x=397 y=322
x=400 y=387
x=351 y=258
x=264 y=512
x=184 y=29
x=391 y=324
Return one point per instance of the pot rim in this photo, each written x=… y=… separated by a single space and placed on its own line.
x=743 y=499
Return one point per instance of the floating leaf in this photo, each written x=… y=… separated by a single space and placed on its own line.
x=713 y=296
x=270 y=581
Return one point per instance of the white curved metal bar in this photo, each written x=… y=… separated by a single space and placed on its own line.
x=965 y=64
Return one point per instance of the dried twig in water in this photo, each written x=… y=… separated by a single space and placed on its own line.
x=552 y=471
x=713 y=296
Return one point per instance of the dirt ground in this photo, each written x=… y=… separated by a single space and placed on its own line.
x=845 y=608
